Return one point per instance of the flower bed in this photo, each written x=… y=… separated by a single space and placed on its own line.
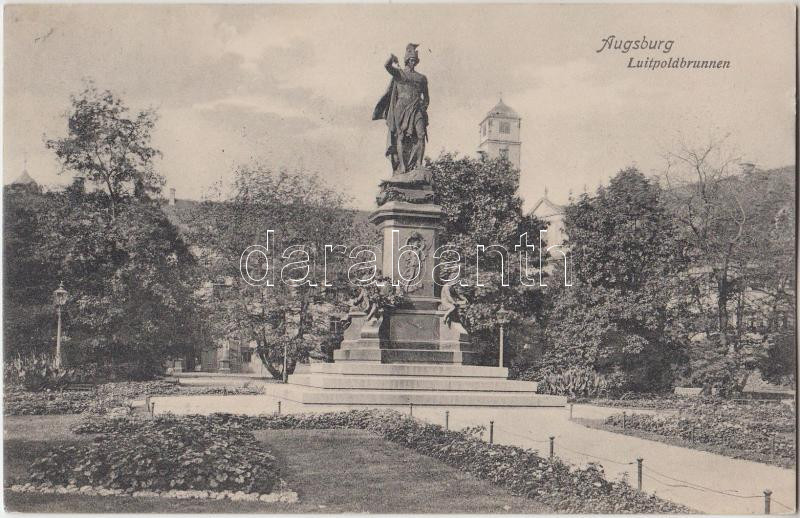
x=161 y=456
x=566 y=488
x=760 y=428
x=652 y=402
x=17 y=402
x=106 y=397
x=139 y=389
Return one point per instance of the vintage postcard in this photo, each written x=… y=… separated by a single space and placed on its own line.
x=400 y=258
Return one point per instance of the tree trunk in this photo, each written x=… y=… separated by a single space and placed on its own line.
x=723 y=318
x=740 y=314
x=275 y=372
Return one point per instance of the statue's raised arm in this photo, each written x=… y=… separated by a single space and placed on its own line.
x=390 y=66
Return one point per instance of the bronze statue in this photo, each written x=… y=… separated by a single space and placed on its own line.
x=404 y=107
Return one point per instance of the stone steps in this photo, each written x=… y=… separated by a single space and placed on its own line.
x=438 y=383
x=377 y=384
x=321 y=396
x=389 y=369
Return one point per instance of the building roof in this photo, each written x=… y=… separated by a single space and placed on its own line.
x=24 y=179
x=545 y=208
x=501 y=109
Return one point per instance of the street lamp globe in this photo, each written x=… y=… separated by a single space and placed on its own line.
x=60 y=295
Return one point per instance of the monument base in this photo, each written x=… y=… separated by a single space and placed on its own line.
x=415 y=333
x=378 y=384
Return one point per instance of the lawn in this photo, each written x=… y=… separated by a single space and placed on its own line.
x=332 y=470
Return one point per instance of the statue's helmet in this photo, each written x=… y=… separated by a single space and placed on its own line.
x=411 y=52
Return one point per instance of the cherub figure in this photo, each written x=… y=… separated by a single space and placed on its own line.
x=451 y=302
x=360 y=303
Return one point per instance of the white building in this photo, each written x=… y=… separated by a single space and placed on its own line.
x=553 y=213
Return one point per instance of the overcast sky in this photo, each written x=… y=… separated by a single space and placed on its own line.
x=294 y=86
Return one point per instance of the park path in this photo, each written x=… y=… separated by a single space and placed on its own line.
x=704 y=481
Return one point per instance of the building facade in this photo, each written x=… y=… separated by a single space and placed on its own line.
x=553 y=214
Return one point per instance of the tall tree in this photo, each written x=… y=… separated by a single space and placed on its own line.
x=29 y=277
x=713 y=218
x=305 y=215
x=482 y=208
x=738 y=222
x=109 y=146
x=130 y=279
x=620 y=317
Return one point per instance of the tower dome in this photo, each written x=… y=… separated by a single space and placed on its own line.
x=25 y=178
x=501 y=109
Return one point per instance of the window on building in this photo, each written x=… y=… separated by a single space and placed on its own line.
x=490 y=123
x=504 y=154
x=505 y=127
x=247 y=355
x=483 y=129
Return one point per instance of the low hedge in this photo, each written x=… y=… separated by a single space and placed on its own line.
x=648 y=401
x=159 y=455
x=106 y=396
x=563 y=487
x=140 y=389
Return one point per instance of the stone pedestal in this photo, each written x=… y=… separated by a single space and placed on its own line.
x=414 y=332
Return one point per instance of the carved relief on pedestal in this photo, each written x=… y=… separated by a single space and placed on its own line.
x=412 y=266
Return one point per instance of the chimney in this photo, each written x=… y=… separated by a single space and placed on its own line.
x=172 y=196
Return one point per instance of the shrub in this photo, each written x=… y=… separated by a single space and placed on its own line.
x=575 y=383
x=638 y=400
x=39 y=372
x=186 y=454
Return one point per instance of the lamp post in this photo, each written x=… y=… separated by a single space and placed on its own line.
x=221 y=285
x=503 y=319
x=285 y=361
x=59 y=298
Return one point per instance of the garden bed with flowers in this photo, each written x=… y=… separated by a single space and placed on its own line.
x=759 y=431
x=187 y=459
x=104 y=398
